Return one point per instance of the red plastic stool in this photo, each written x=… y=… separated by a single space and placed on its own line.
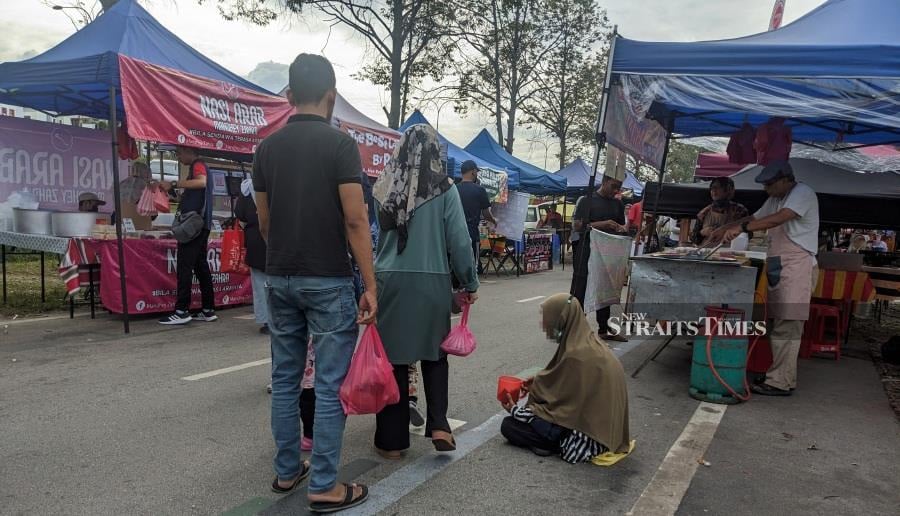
x=820 y=315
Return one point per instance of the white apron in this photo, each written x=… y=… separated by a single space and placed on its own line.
x=789 y=268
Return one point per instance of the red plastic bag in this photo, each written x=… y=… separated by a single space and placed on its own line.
x=460 y=341
x=161 y=201
x=233 y=253
x=370 y=385
x=146 y=206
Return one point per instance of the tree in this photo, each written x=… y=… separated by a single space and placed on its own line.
x=680 y=164
x=403 y=37
x=570 y=77
x=498 y=45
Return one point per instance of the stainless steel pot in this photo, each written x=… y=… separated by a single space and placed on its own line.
x=34 y=222
x=76 y=224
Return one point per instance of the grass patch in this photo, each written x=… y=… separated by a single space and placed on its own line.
x=23 y=286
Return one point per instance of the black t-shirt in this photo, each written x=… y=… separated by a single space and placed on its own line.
x=300 y=168
x=601 y=208
x=474 y=199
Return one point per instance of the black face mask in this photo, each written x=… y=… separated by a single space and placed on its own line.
x=721 y=203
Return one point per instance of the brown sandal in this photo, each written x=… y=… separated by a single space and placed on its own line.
x=389 y=454
x=444 y=445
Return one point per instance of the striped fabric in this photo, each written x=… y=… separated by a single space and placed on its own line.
x=844 y=285
x=575 y=447
x=578 y=448
x=68 y=269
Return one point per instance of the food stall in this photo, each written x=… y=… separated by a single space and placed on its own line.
x=125 y=66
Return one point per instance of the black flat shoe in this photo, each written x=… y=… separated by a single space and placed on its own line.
x=765 y=389
x=297 y=481
x=348 y=501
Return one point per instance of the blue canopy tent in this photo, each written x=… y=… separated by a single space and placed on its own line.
x=80 y=76
x=578 y=174
x=834 y=74
x=456 y=155
x=75 y=76
x=532 y=179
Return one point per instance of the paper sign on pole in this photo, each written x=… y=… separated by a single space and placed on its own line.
x=511 y=216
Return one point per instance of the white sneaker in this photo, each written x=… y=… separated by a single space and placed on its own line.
x=177 y=317
x=205 y=316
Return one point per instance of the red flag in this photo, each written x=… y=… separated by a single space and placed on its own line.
x=777 y=15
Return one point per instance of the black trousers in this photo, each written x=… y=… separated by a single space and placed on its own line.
x=192 y=260
x=308 y=411
x=524 y=435
x=392 y=423
x=579 y=284
x=476 y=249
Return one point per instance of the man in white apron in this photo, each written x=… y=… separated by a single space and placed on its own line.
x=791 y=217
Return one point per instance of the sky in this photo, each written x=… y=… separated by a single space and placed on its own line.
x=29 y=27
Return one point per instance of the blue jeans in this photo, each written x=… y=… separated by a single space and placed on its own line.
x=260 y=299
x=324 y=308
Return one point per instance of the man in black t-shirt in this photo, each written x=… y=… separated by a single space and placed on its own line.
x=606 y=213
x=310 y=204
x=476 y=204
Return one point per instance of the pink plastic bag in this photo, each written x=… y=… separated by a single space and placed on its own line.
x=146 y=206
x=460 y=341
x=161 y=201
x=370 y=385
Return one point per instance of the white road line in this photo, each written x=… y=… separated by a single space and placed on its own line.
x=231 y=369
x=529 y=299
x=664 y=493
x=401 y=482
x=248 y=317
x=420 y=430
x=27 y=320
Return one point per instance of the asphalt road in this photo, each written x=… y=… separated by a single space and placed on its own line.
x=93 y=422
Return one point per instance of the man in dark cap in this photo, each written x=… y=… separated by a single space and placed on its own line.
x=791 y=217
x=476 y=204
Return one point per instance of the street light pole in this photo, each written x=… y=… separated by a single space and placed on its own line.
x=438 y=106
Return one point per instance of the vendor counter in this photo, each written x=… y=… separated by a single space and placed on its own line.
x=150 y=270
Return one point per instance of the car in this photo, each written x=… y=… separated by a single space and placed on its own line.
x=170 y=169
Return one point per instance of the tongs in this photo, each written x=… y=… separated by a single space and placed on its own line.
x=697 y=252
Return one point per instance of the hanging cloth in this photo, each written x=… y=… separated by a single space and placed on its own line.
x=773 y=142
x=740 y=146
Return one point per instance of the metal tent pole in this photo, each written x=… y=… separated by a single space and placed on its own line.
x=118 y=202
x=599 y=143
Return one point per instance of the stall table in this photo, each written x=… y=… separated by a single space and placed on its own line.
x=37 y=245
x=664 y=289
x=886 y=281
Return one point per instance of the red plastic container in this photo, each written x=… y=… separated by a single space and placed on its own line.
x=509 y=385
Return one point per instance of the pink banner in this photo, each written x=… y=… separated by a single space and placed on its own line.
x=151 y=278
x=170 y=106
x=375 y=147
x=56 y=163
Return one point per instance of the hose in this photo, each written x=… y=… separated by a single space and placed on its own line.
x=712 y=366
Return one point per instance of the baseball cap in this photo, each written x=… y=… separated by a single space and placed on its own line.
x=89 y=196
x=773 y=171
x=468 y=166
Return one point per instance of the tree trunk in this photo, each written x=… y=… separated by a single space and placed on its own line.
x=498 y=101
x=396 y=65
x=511 y=124
x=563 y=151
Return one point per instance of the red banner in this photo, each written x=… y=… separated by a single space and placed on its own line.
x=151 y=279
x=169 y=106
x=375 y=147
